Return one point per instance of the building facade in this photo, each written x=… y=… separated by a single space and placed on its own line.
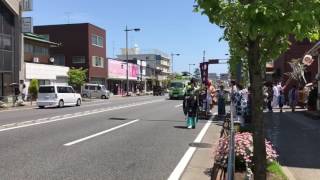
x=39 y=64
x=82 y=46
x=157 y=65
x=10 y=46
x=117 y=77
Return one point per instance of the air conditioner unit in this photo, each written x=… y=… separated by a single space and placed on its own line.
x=35 y=59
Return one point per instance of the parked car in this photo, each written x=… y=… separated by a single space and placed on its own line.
x=95 y=91
x=57 y=96
x=158 y=91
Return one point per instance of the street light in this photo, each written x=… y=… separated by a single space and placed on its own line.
x=173 y=54
x=189 y=68
x=127 y=55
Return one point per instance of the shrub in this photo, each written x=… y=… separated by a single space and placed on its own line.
x=243 y=151
x=33 y=88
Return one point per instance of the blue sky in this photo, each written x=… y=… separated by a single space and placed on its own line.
x=168 y=25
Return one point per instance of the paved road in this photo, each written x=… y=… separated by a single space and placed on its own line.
x=127 y=138
x=296 y=138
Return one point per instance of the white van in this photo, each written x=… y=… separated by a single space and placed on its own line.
x=57 y=96
x=95 y=91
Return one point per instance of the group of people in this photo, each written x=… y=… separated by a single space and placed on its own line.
x=275 y=97
x=215 y=96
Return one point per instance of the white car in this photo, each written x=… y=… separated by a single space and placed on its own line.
x=57 y=96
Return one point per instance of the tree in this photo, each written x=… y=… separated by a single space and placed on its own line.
x=77 y=77
x=258 y=31
x=197 y=73
x=33 y=89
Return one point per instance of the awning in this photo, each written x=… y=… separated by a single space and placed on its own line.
x=39 y=38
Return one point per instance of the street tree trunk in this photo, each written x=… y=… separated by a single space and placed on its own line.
x=256 y=81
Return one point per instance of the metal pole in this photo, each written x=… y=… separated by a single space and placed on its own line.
x=231 y=153
x=127 y=59
x=172 y=62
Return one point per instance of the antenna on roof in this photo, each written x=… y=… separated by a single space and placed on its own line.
x=68 y=16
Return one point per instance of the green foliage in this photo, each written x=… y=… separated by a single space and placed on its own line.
x=275 y=168
x=197 y=73
x=33 y=88
x=257 y=32
x=77 y=77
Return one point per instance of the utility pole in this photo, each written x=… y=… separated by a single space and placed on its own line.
x=127 y=60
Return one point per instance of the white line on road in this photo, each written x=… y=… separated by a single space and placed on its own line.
x=78 y=115
x=177 y=106
x=100 y=133
x=177 y=172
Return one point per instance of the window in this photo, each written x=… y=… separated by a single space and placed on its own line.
x=28 y=48
x=69 y=90
x=97 y=61
x=59 y=59
x=62 y=89
x=97 y=40
x=46 y=89
x=44 y=82
x=41 y=51
x=6 y=43
x=78 y=59
x=92 y=88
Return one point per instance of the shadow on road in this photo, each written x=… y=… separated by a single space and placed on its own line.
x=296 y=138
x=180 y=127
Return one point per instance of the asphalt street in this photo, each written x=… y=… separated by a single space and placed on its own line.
x=123 y=138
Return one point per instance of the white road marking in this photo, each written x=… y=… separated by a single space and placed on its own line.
x=177 y=106
x=75 y=115
x=100 y=133
x=177 y=172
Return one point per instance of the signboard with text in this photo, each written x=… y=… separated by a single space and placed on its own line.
x=204 y=72
x=27 y=25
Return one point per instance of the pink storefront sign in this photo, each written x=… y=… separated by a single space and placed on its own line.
x=118 y=70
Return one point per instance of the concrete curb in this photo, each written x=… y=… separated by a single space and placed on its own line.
x=288 y=173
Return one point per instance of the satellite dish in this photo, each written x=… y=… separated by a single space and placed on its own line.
x=51 y=59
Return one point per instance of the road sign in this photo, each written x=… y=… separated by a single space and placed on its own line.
x=213 y=61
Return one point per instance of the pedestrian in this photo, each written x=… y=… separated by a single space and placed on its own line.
x=221 y=94
x=281 y=100
x=293 y=97
x=209 y=97
x=270 y=98
x=275 y=95
x=24 y=92
x=192 y=108
x=241 y=104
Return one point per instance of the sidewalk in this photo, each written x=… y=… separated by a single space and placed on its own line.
x=199 y=168
x=296 y=138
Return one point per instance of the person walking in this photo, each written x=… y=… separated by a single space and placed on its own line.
x=221 y=94
x=281 y=100
x=190 y=108
x=276 y=94
x=293 y=97
x=270 y=98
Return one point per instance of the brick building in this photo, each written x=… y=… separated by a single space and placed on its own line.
x=82 y=45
